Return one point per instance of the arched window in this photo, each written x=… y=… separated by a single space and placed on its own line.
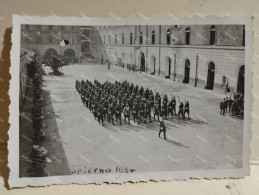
x=109 y=39
x=168 y=36
x=187 y=36
x=244 y=36
x=212 y=35
x=115 y=40
x=140 y=38
x=104 y=39
x=153 y=37
x=131 y=38
x=122 y=38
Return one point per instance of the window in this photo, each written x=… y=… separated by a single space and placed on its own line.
x=168 y=36
x=115 y=39
x=51 y=39
x=153 y=37
x=50 y=27
x=244 y=36
x=122 y=38
x=73 y=40
x=131 y=39
x=140 y=38
x=62 y=27
x=109 y=39
x=38 y=27
x=212 y=35
x=187 y=36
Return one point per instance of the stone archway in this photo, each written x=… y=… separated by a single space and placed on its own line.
x=210 y=76
x=153 y=65
x=186 y=71
x=69 y=54
x=142 y=62
x=50 y=52
x=167 y=67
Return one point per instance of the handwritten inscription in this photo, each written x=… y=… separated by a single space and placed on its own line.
x=89 y=170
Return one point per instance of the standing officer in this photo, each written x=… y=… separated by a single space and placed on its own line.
x=187 y=109
x=162 y=128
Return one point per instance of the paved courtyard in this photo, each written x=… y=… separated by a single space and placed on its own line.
x=206 y=141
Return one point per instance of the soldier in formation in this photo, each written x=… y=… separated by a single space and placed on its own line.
x=109 y=101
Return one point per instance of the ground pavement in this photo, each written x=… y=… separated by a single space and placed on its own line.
x=206 y=141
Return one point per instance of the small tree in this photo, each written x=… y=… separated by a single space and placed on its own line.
x=55 y=62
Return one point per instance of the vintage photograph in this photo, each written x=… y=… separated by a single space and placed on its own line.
x=127 y=100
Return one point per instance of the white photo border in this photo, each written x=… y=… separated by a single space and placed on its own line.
x=13 y=143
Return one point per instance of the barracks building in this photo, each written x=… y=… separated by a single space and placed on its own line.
x=46 y=40
x=206 y=56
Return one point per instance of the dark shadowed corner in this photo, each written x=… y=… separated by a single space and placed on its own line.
x=4 y=104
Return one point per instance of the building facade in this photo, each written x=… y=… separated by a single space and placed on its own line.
x=206 y=56
x=46 y=40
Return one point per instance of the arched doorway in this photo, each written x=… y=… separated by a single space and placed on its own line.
x=142 y=62
x=241 y=80
x=211 y=76
x=69 y=54
x=153 y=65
x=186 y=71
x=167 y=67
x=50 y=52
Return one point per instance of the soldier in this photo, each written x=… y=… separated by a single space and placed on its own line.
x=105 y=108
x=156 y=111
x=226 y=105
x=164 y=109
x=100 y=114
x=135 y=111
x=181 y=110
x=230 y=102
x=222 y=107
x=95 y=109
x=141 y=111
x=111 y=113
x=118 y=112
x=162 y=128
x=187 y=109
x=148 y=111
x=126 y=111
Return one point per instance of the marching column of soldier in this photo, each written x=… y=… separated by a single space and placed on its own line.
x=109 y=101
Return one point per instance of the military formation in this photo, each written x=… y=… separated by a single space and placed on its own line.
x=233 y=105
x=114 y=101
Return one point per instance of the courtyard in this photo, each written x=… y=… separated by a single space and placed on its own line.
x=76 y=141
